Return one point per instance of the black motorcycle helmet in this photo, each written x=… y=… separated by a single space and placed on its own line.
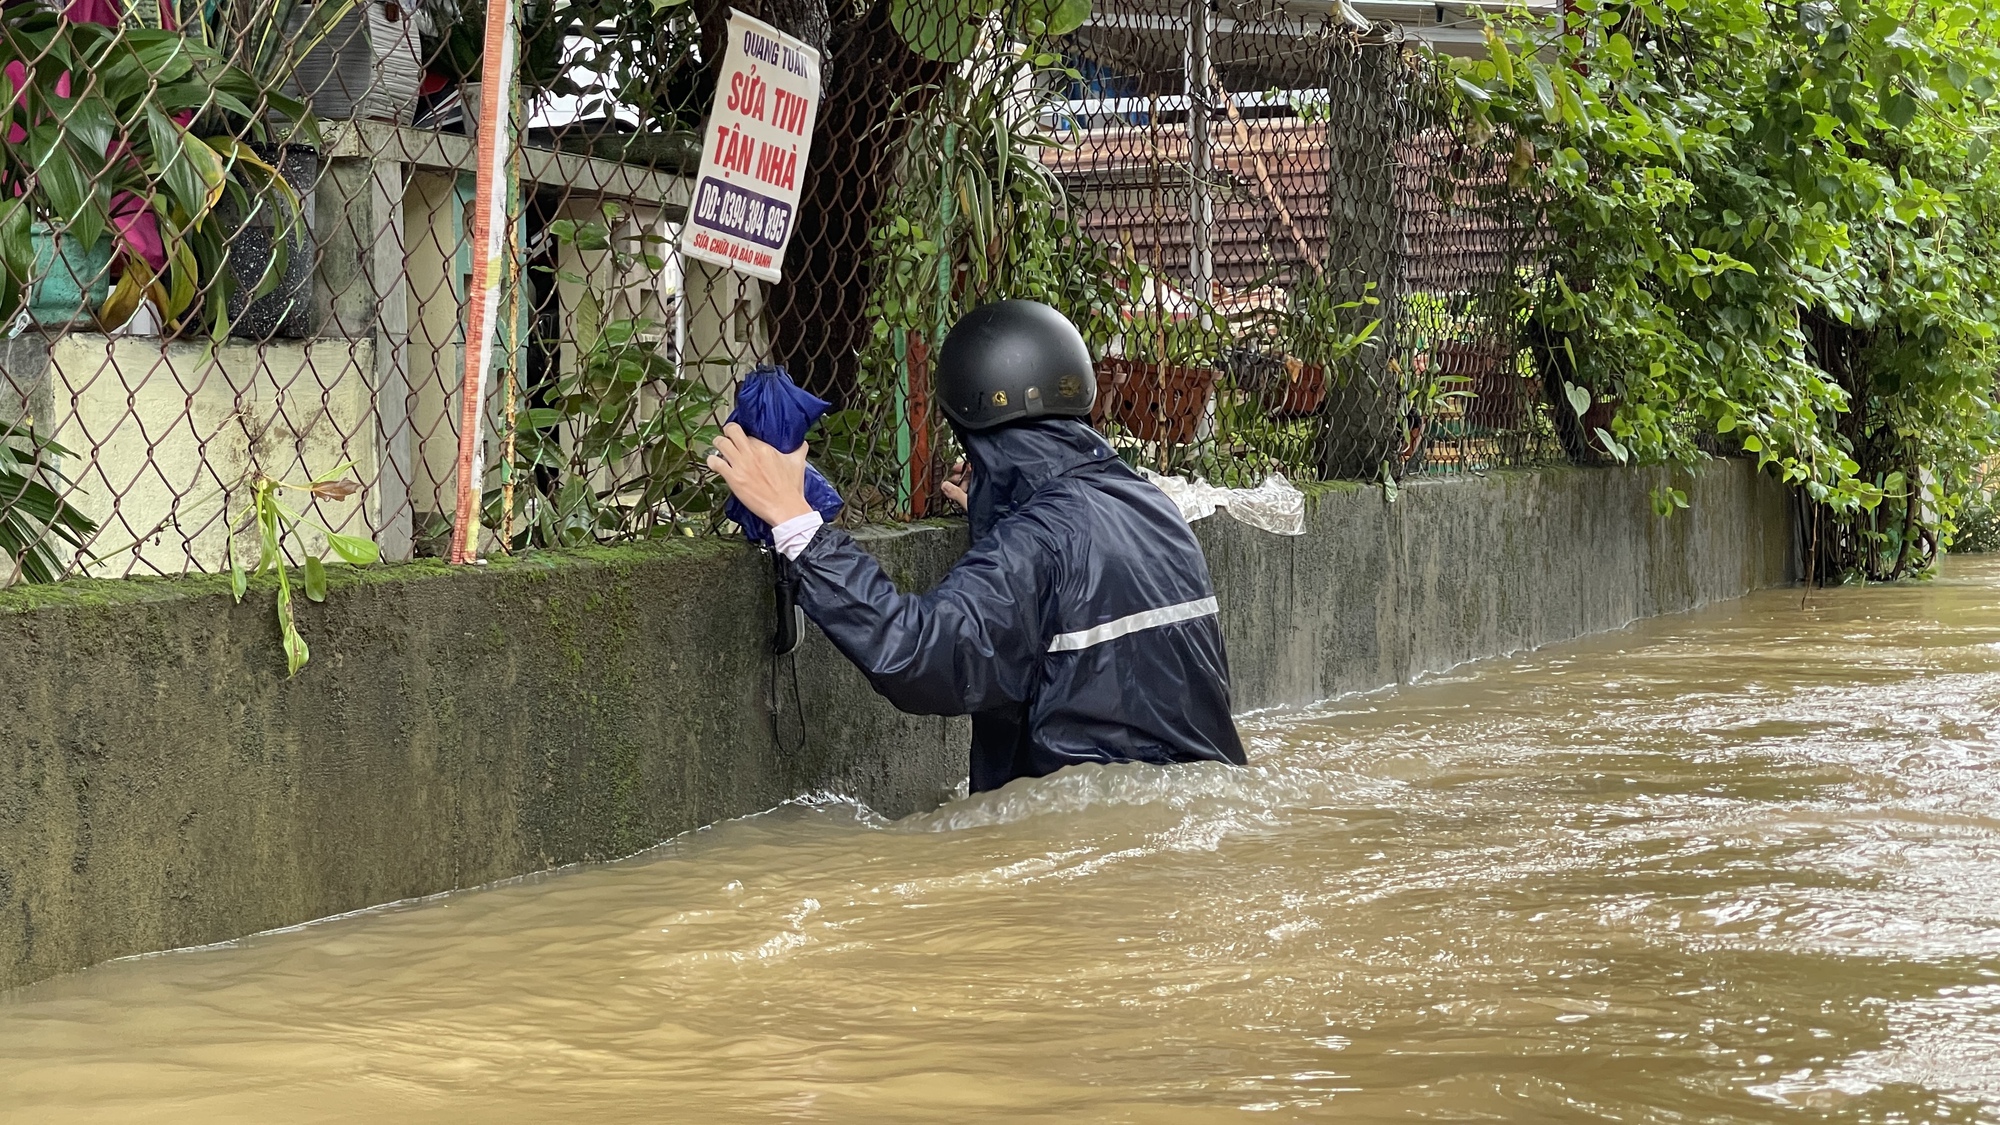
x=1011 y=360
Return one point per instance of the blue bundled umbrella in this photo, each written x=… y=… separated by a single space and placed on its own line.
x=773 y=409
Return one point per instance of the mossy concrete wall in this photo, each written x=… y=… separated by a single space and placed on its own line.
x=163 y=784
x=1464 y=567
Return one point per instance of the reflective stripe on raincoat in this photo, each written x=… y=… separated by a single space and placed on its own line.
x=1080 y=626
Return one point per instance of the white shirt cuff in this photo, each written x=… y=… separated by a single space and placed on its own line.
x=792 y=536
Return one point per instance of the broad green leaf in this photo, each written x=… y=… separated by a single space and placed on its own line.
x=1572 y=103
x=945 y=30
x=74 y=202
x=1899 y=110
x=208 y=165
x=1503 y=59
x=358 y=551
x=1579 y=399
x=1060 y=17
x=267 y=528
x=1619 y=48
x=88 y=120
x=164 y=55
x=239 y=582
x=333 y=474
x=1611 y=445
x=184 y=279
x=297 y=654
x=1545 y=91
x=17 y=256
x=180 y=177
x=315 y=579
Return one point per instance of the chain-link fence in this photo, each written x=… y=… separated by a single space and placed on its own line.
x=240 y=261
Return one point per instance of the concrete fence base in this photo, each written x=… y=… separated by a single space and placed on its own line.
x=162 y=784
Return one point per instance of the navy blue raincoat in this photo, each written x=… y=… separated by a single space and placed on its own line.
x=1080 y=627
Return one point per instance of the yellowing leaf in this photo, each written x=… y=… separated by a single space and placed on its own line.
x=126 y=295
x=1503 y=59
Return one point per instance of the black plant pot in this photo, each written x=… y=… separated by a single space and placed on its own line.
x=286 y=311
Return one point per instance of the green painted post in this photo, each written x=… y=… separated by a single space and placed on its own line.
x=905 y=488
x=947 y=214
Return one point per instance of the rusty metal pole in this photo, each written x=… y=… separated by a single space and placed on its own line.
x=491 y=235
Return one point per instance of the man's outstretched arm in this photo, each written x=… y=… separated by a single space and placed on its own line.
x=970 y=645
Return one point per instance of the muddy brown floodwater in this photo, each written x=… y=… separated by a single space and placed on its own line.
x=1738 y=865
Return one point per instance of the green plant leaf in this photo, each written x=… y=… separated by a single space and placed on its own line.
x=1611 y=445
x=296 y=651
x=239 y=582
x=944 y=30
x=1059 y=17
x=1503 y=59
x=333 y=474
x=178 y=175
x=315 y=579
x=184 y=279
x=88 y=121
x=17 y=256
x=356 y=550
x=1900 y=110
x=1579 y=399
x=74 y=200
x=267 y=528
x=1545 y=91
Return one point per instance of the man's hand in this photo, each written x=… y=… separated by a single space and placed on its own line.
x=954 y=486
x=769 y=483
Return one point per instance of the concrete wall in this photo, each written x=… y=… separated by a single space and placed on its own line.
x=162 y=784
x=168 y=438
x=1461 y=568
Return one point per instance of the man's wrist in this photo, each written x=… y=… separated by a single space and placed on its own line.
x=790 y=512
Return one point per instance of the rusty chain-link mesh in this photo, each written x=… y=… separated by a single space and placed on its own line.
x=237 y=250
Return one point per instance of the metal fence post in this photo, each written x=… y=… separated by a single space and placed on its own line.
x=1201 y=204
x=491 y=234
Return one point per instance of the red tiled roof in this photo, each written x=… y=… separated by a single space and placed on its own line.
x=1131 y=186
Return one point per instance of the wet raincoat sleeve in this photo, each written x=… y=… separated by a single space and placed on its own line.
x=973 y=644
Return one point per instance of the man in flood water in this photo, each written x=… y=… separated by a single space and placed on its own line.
x=1080 y=627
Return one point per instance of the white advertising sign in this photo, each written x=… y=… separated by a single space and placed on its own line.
x=753 y=160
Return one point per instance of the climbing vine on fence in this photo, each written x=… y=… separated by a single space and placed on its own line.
x=1769 y=224
x=974 y=215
